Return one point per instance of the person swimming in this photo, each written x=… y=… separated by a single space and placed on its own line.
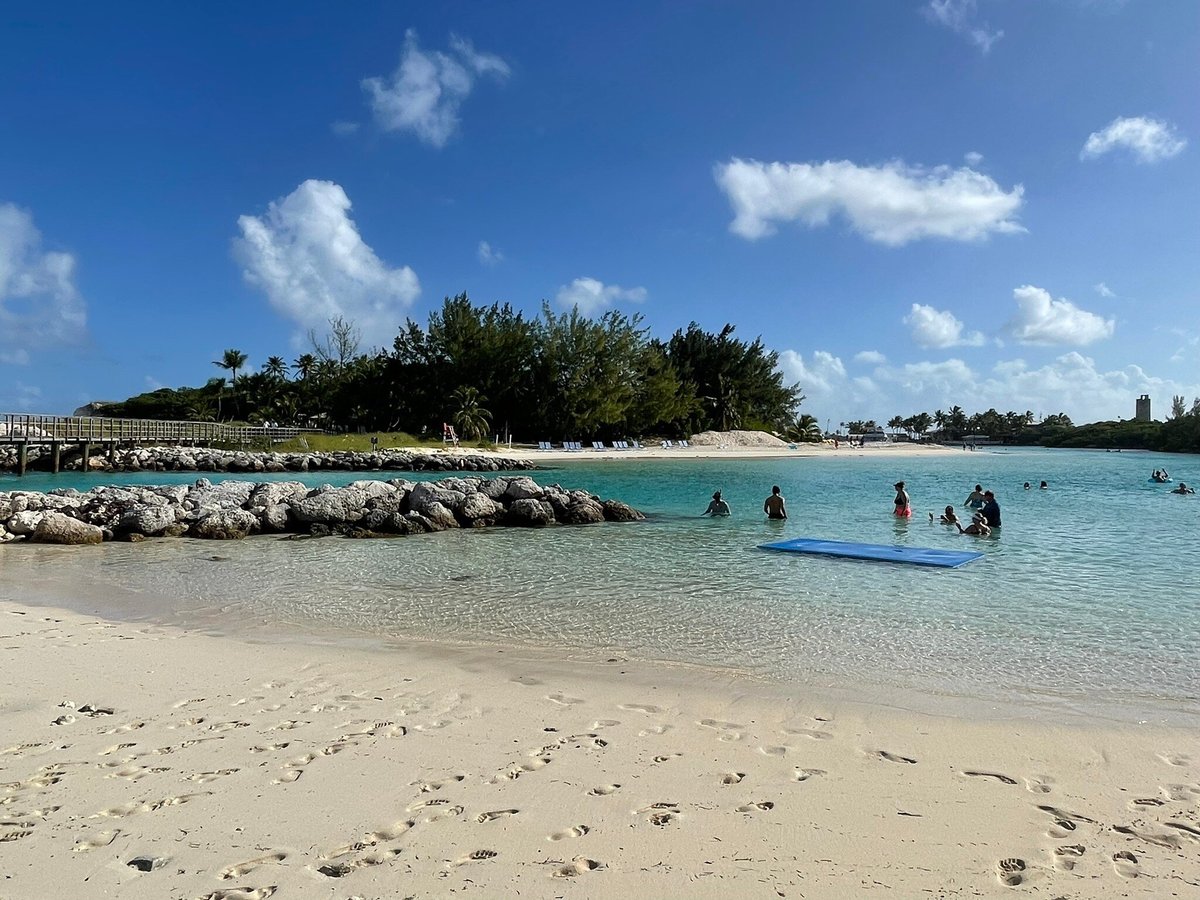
x=976 y=499
x=1028 y=486
x=717 y=507
x=949 y=517
x=978 y=527
x=1044 y=486
x=1183 y=489
x=903 y=507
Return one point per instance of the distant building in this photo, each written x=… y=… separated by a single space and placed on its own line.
x=1143 y=408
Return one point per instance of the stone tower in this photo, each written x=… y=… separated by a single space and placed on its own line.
x=1143 y=408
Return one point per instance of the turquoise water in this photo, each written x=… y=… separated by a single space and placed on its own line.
x=1086 y=600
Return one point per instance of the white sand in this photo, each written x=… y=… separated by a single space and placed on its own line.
x=289 y=770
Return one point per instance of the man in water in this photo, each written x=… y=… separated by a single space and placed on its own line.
x=774 y=506
x=1183 y=489
x=717 y=507
x=991 y=509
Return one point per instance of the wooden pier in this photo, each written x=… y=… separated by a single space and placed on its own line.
x=95 y=433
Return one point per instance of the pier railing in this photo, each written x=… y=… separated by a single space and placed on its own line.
x=37 y=429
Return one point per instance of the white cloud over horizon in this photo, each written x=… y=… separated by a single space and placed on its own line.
x=891 y=204
x=1104 y=290
x=423 y=95
x=935 y=328
x=870 y=357
x=590 y=295
x=40 y=305
x=960 y=16
x=306 y=254
x=1040 y=319
x=1071 y=383
x=1148 y=140
x=489 y=255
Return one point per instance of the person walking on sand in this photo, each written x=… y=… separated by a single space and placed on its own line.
x=717 y=507
x=903 y=507
x=774 y=506
x=975 y=499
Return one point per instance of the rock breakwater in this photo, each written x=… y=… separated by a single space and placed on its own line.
x=236 y=509
x=203 y=459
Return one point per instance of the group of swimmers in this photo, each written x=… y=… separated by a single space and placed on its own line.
x=985 y=512
x=1161 y=477
x=774 y=506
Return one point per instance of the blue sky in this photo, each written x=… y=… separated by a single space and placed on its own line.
x=918 y=203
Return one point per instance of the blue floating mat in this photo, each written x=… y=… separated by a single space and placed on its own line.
x=916 y=556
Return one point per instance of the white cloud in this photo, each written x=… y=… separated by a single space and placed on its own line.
x=344 y=129
x=1149 y=140
x=870 y=357
x=425 y=92
x=307 y=256
x=939 y=328
x=591 y=296
x=20 y=397
x=1104 y=290
x=892 y=204
x=1040 y=319
x=489 y=255
x=960 y=17
x=973 y=158
x=39 y=303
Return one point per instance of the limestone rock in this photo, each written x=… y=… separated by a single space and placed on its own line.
x=529 y=513
x=225 y=524
x=55 y=528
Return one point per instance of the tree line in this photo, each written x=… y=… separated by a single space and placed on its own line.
x=956 y=424
x=493 y=370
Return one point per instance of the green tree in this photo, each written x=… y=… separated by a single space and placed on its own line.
x=276 y=367
x=470 y=418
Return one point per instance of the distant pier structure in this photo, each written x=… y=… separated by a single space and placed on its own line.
x=1143 y=408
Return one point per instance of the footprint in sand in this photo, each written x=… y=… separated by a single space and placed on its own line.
x=96 y=841
x=1039 y=784
x=1011 y=871
x=148 y=863
x=733 y=778
x=573 y=832
x=975 y=773
x=662 y=758
x=773 y=750
x=16 y=834
x=1126 y=864
x=244 y=868
x=805 y=774
x=812 y=734
x=1067 y=856
x=242 y=893
x=726 y=731
x=645 y=708
x=426 y=787
x=654 y=729
x=581 y=865
x=562 y=699
x=605 y=723
x=893 y=757
x=206 y=777
x=486 y=817
x=603 y=790
x=525 y=680
x=757 y=806
x=340 y=870
x=1175 y=759
x=476 y=856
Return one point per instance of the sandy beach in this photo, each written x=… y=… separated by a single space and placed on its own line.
x=145 y=762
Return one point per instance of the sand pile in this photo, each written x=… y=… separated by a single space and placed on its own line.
x=737 y=439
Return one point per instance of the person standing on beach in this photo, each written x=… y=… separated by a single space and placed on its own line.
x=717 y=507
x=774 y=506
x=903 y=507
x=991 y=509
x=976 y=499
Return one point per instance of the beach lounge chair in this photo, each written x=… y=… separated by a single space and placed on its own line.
x=598 y=445
x=684 y=444
x=620 y=445
x=566 y=445
x=637 y=445
x=544 y=445
x=576 y=446
x=667 y=445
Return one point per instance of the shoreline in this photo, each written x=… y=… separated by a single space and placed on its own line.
x=304 y=770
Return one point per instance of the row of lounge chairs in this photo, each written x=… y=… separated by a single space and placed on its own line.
x=616 y=445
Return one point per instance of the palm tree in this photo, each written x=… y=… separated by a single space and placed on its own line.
x=276 y=367
x=305 y=365
x=896 y=423
x=471 y=419
x=231 y=360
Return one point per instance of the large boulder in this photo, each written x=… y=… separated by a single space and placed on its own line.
x=583 y=512
x=523 y=488
x=275 y=518
x=226 y=495
x=478 y=510
x=331 y=507
x=529 y=513
x=271 y=493
x=225 y=524
x=148 y=520
x=616 y=511
x=55 y=528
x=438 y=516
x=24 y=522
x=426 y=494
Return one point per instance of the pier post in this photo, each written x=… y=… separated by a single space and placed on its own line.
x=22 y=456
x=112 y=453
x=55 y=456
x=86 y=449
